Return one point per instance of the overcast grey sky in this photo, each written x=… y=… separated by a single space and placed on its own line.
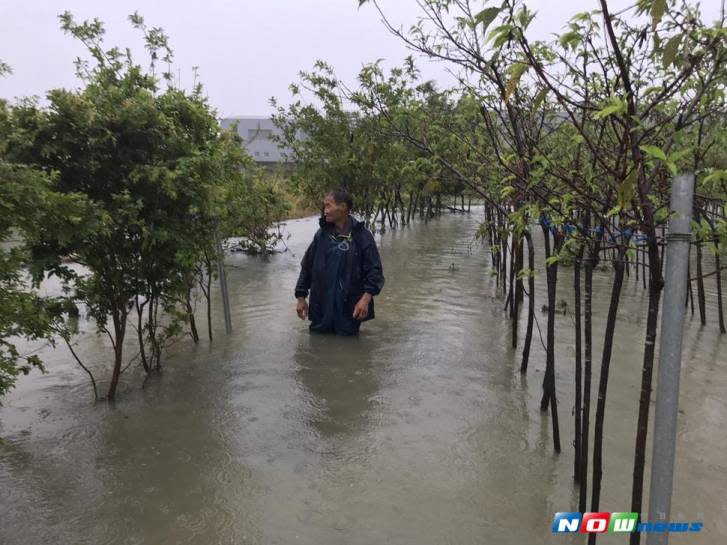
x=247 y=51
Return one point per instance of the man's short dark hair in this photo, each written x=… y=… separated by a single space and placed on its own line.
x=341 y=195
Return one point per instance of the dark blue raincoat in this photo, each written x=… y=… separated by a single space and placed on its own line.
x=338 y=272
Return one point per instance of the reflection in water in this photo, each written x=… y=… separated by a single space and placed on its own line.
x=338 y=378
x=171 y=472
x=155 y=469
x=421 y=430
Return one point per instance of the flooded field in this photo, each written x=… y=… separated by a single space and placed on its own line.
x=420 y=431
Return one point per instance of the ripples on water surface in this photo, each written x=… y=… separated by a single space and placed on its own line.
x=420 y=431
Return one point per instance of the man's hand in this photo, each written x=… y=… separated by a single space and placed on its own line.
x=361 y=310
x=302 y=308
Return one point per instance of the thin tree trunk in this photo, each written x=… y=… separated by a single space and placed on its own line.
x=503 y=251
x=209 y=297
x=718 y=269
x=190 y=315
x=578 y=426
x=410 y=207
x=531 y=303
x=518 y=292
x=140 y=333
x=119 y=318
x=718 y=278
x=655 y=288
x=84 y=367
x=603 y=386
x=511 y=285
x=690 y=291
x=155 y=344
x=700 y=284
x=590 y=262
x=549 y=397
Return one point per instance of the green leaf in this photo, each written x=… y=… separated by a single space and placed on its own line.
x=464 y=21
x=517 y=71
x=680 y=154
x=570 y=39
x=661 y=214
x=654 y=151
x=670 y=51
x=658 y=9
x=539 y=98
x=526 y=273
x=499 y=34
x=552 y=259
x=506 y=191
x=615 y=210
x=525 y=17
x=486 y=16
x=626 y=189
x=614 y=106
x=582 y=17
x=715 y=177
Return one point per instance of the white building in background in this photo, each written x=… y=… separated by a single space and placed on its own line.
x=256 y=133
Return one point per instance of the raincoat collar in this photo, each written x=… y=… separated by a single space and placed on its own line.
x=356 y=224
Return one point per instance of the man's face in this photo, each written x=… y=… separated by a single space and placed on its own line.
x=334 y=211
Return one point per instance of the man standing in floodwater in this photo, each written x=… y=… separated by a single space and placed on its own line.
x=341 y=268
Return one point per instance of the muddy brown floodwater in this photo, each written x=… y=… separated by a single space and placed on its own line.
x=421 y=431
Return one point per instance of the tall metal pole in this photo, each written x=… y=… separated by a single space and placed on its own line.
x=670 y=355
x=223 y=284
